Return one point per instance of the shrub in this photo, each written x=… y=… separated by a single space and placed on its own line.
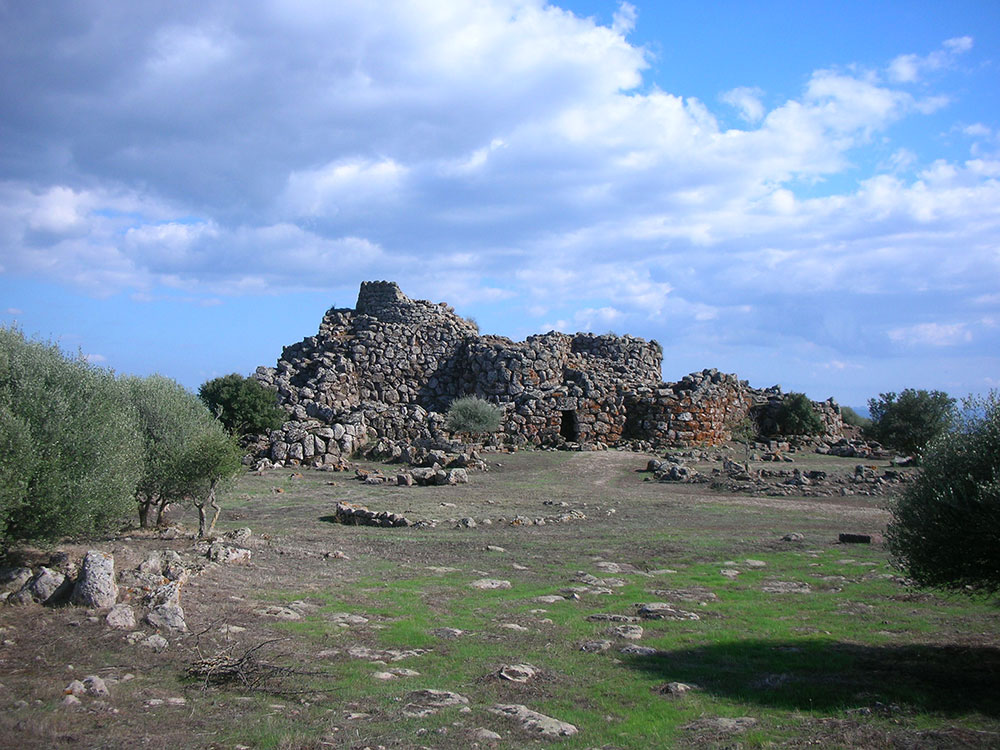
x=472 y=415
x=852 y=418
x=170 y=420
x=946 y=525
x=796 y=416
x=244 y=405
x=912 y=419
x=210 y=459
x=70 y=452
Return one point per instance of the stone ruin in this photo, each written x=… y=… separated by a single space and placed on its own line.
x=378 y=380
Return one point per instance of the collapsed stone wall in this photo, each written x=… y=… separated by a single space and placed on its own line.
x=381 y=375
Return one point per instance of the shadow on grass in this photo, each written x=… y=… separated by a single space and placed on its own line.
x=824 y=675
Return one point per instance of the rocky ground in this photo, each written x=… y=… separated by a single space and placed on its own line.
x=557 y=597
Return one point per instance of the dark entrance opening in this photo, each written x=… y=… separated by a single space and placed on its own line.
x=633 y=421
x=570 y=426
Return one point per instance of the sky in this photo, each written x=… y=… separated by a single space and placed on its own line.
x=804 y=194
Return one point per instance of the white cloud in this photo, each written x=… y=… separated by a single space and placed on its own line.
x=911 y=68
x=746 y=99
x=13 y=311
x=931 y=334
x=95 y=358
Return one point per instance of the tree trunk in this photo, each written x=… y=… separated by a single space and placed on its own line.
x=160 y=510
x=145 y=505
x=202 y=520
x=214 y=505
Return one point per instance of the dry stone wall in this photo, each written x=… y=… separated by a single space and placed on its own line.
x=379 y=378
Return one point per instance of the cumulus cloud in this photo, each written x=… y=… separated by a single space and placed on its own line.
x=910 y=68
x=746 y=99
x=498 y=152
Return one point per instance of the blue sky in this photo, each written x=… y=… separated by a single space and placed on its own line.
x=801 y=193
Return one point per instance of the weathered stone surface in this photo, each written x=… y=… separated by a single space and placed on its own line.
x=518 y=672
x=490 y=583
x=223 y=553
x=534 y=722
x=377 y=379
x=121 y=617
x=95 y=586
x=169 y=616
x=665 y=611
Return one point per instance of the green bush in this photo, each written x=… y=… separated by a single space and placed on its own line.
x=910 y=420
x=854 y=419
x=171 y=419
x=945 y=528
x=796 y=416
x=70 y=451
x=472 y=415
x=243 y=405
x=210 y=459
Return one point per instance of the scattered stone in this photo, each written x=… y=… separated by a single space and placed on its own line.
x=595 y=647
x=436 y=698
x=755 y=563
x=628 y=632
x=238 y=536
x=792 y=537
x=346 y=618
x=638 y=651
x=514 y=626
x=386 y=655
x=786 y=587
x=601 y=617
x=155 y=643
x=224 y=554
x=45 y=587
x=722 y=724
x=490 y=583
x=75 y=688
x=494 y=548
x=481 y=734
x=664 y=611
x=729 y=572
x=169 y=616
x=384 y=676
x=549 y=599
x=121 y=617
x=534 y=722
x=95 y=686
x=95 y=586
x=675 y=688
x=518 y=672
x=447 y=632
x=280 y=613
x=69 y=701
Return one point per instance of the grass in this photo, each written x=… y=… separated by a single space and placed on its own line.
x=859 y=661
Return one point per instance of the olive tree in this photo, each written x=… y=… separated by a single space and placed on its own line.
x=244 y=405
x=945 y=528
x=170 y=419
x=910 y=420
x=210 y=459
x=70 y=451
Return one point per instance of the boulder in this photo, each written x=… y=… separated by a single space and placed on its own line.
x=95 y=586
x=534 y=722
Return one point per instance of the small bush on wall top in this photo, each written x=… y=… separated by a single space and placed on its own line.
x=797 y=416
x=473 y=416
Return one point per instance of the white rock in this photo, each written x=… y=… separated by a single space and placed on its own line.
x=95 y=586
x=490 y=583
x=534 y=722
x=121 y=617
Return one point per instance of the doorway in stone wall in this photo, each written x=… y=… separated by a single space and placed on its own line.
x=569 y=428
